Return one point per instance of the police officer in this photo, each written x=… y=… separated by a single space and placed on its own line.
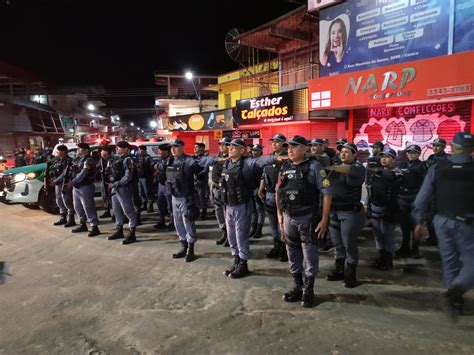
x=267 y=193
x=450 y=181
x=339 y=145
x=298 y=190
x=180 y=183
x=238 y=177
x=318 y=153
x=62 y=168
x=164 y=196
x=258 y=208
x=83 y=190
x=201 y=180
x=329 y=151
x=145 y=172
x=122 y=195
x=135 y=184
x=216 y=174
x=347 y=214
x=374 y=159
x=439 y=145
x=413 y=173
x=105 y=168
x=383 y=185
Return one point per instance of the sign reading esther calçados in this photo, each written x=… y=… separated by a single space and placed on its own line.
x=266 y=109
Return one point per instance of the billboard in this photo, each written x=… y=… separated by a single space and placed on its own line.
x=204 y=121
x=463 y=26
x=418 y=80
x=358 y=35
x=266 y=109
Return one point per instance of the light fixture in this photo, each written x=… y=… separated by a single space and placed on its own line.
x=153 y=124
x=132 y=124
x=91 y=107
x=189 y=75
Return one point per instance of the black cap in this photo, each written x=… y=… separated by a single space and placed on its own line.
x=350 y=146
x=317 y=141
x=238 y=143
x=142 y=147
x=225 y=141
x=390 y=152
x=298 y=140
x=62 y=148
x=199 y=144
x=413 y=148
x=164 y=146
x=325 y=141
x=463 y=139
x=257 y=147
x=83 y=145
x=377 y=144
x=123 y=144
x=279 y=137
x=341 y=141
x=177 y=143
x=106 y=148
x=439 y=141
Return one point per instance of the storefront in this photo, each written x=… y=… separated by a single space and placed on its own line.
x=402 y=104
x=286 y=113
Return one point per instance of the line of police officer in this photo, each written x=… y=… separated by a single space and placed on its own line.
x=304 y=196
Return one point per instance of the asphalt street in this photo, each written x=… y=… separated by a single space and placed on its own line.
x=63 y=293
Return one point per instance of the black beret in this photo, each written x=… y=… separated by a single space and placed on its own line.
x=62 y=148
x=123 y=144
x=83 y=146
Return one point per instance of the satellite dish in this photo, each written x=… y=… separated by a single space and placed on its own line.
x=236 y=51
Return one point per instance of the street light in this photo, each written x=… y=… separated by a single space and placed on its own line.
x=189 y=76
x=132 y=124
x=153 y=124
x=91 y=107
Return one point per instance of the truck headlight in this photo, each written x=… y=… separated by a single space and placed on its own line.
x=19 y=177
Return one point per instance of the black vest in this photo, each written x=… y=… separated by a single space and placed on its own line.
x=454 y=185
x=118 y=170
x=296 y=195
x=177 y=182
x=235 y=190
x=59 y=165
x=271 y=177
x=162 y=167
x=349 y=198
x=413 y=178
x=217 y=171
x=383 y=192
x=78 y=166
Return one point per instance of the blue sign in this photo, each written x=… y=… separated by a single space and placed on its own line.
x=464 y=26
x=363 y=34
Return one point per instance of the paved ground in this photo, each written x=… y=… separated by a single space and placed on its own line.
x=77 y=295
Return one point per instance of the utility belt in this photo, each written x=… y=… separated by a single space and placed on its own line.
x=356 y=207
x=466 y=220
x=408 y=192
x=300 y=212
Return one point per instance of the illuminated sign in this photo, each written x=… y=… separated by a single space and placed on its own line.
x=266 y=109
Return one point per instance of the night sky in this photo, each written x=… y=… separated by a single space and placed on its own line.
x=120 y=43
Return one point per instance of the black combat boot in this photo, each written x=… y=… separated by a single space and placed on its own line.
x=296 y=293
x=404 y=251
x=62 y=220
x=308 y=299
x=94 y=231
x=274 y=252
x=350 y=279
x=131 y=238
x=144 y=207
x=455 y=302
x=203 y=214
x=378 y=261
x=258 y=231
x=387 y=261
x=170 y=227
x=190 y=254
x=415 y=250
x=182 y=253
x=117 y=235
x=337 y=274
x=82 y=228
x=223 y=237
x=283 y=254
x=240 y=271
x=106 y=214
x=160 y=225
x=233 y=267
x=253 y=229
x=71 y=222
x=139 y=219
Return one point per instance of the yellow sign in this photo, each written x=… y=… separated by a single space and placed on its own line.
x=196 y=122
x=218 y=134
